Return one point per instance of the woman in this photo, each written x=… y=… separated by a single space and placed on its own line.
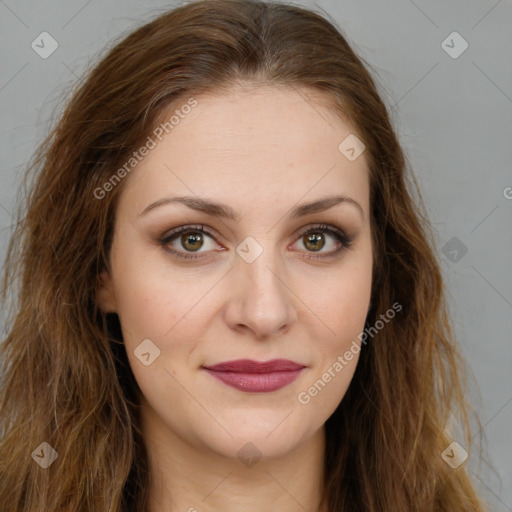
x=228 y=298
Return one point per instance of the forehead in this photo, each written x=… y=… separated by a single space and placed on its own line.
x=248 y=118
x=248 y=144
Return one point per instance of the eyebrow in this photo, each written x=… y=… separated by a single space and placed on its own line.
x=216 y=209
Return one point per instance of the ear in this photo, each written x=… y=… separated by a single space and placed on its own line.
x=105 y=295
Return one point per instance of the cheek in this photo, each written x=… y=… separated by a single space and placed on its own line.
x=158 y=303
x=151 y=296
x=154 y=307
x=342 y=305
x=337 y=354
x=348 y=308
x=341 y=299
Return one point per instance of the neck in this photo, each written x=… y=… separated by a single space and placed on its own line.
x=189 y=478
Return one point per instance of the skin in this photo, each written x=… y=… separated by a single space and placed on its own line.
x=261 y=150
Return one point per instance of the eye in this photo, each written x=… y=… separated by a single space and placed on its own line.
x=190 y=238
x=314 y=240
x=186 y=242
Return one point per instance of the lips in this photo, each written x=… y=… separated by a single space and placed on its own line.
x=256 y=376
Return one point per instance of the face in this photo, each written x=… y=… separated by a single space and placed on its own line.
x=262 y=278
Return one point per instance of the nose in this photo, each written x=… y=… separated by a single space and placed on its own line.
x=261 y=302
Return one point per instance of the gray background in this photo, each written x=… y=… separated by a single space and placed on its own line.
x=453 y=116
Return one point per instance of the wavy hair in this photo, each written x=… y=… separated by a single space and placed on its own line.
x=65 y=377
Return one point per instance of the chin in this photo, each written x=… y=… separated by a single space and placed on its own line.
x=255 y=440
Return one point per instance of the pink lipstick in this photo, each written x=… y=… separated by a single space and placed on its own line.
x=254 y=376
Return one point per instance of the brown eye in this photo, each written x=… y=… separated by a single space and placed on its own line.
x=192 y=241
x=325 y=240
x=184 y=241
x=314 y=241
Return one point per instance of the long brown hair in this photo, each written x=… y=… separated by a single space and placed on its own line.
x=65 y=378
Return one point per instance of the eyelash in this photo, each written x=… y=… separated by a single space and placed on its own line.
x=344 y=240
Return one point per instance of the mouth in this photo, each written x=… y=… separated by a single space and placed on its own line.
x=254 y=376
